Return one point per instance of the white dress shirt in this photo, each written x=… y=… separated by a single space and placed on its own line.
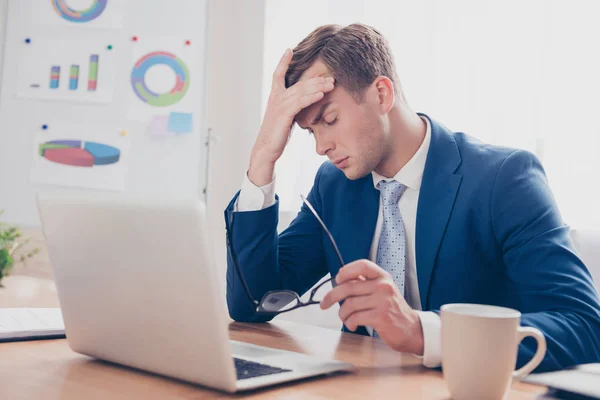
x=253 y=198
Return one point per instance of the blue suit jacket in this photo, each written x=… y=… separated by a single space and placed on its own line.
x=488 y=231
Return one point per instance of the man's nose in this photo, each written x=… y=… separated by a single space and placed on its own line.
x=323 y=144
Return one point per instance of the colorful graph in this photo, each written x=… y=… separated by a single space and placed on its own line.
x=79 y=153
x=74 y=77
x=54 y=76
x=93 y=73
x=86 y=15
x=171 y=97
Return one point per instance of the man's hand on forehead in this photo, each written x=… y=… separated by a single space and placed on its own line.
x=283 y=107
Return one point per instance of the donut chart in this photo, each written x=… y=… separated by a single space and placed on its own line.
x=78 y=153
x=182 y=79
x=86 y=15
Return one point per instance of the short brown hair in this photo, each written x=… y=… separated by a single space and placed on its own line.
x=355 y=55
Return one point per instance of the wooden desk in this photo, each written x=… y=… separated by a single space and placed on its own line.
x=50 y=370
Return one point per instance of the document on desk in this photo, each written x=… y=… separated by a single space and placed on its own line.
x=30 y=323
x=581 y=380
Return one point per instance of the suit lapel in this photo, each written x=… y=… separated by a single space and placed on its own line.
x=360 y=219
x=439 y=188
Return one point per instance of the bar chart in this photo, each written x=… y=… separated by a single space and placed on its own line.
x=74 y=75
x=68 y=69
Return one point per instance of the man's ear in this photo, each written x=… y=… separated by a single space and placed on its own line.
x=386 y=96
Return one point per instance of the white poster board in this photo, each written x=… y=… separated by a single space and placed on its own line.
x=167 y=163
x=164 y=87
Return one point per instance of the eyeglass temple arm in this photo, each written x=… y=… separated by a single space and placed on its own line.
x=237 y=266
x=312 y=292
x=235 y=262
x=337 y=251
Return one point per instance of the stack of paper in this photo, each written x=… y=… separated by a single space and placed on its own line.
x=30 y=323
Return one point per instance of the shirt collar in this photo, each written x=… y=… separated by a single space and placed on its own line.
x=412 y=173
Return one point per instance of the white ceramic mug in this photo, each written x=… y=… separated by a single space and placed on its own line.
x=479 y=350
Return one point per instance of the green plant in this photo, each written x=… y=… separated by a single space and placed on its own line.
x=11 y=245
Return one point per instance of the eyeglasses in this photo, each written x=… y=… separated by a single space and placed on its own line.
x=279 y=301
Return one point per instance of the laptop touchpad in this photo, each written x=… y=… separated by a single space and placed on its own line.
x=240 y=349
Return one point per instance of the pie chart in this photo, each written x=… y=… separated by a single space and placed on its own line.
x=79 y=153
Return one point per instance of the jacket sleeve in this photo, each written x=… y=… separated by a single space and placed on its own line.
x=554 y=288
x=293 y=260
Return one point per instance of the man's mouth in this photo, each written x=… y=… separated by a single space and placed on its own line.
x=341 y=162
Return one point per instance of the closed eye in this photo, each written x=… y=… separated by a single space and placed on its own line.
x=310 y=131
x=332 y=122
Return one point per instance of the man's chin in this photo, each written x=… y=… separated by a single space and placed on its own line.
x=353 y=175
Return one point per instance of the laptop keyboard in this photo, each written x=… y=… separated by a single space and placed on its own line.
x=249 y=369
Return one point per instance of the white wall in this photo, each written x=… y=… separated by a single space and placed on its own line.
x=532 y=86
x=3 y=12
x=234 y=101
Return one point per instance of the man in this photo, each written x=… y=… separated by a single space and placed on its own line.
x=425 y=216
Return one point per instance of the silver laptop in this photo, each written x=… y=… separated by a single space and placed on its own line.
x=138 y=286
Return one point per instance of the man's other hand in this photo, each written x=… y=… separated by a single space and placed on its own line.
x=371 y=298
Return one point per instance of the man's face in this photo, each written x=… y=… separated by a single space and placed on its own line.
x=353 y=136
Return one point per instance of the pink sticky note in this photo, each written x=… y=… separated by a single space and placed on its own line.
x=160 y=125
